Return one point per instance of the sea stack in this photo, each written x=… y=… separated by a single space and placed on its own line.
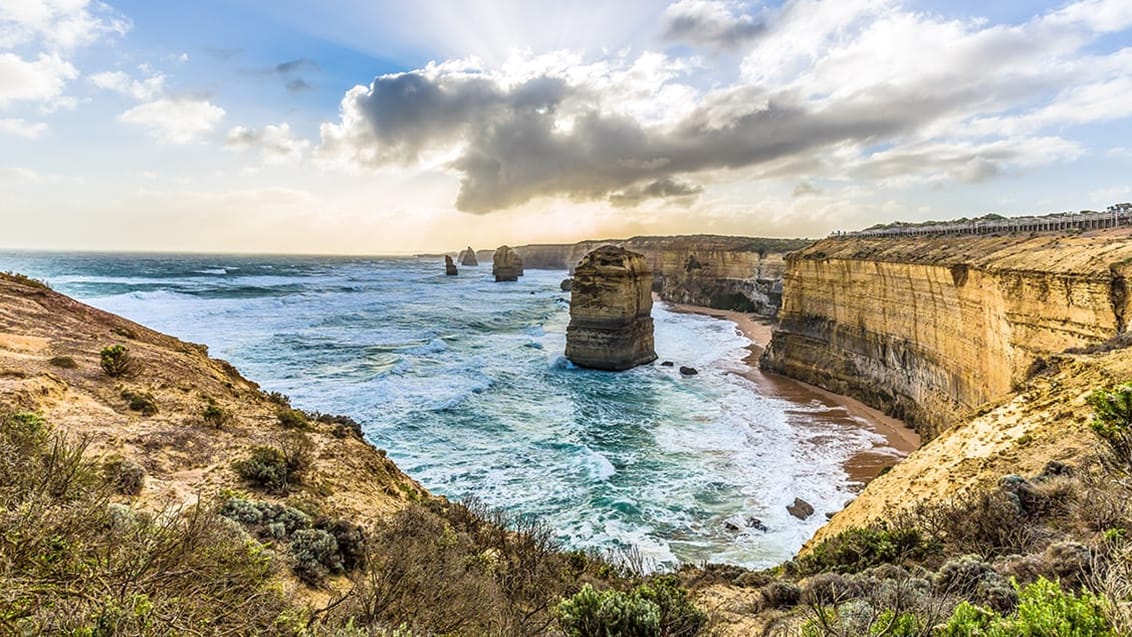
x=449 y=266
x=506 y=265
x=611 y=311
x=468 y=257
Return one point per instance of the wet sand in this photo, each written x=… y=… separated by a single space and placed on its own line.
x=862 y=467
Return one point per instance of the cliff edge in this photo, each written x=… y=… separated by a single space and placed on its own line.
x=931 y=328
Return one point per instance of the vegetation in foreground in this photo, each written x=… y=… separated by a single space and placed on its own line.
x=1047 y=555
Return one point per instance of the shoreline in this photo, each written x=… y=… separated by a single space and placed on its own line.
x=861 y=467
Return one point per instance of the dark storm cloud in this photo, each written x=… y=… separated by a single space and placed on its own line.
x=710 y=23
x=676 y=191
x=514 y=150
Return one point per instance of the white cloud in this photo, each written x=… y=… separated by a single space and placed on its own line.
x=175 y=121
x=18 y=127
x=120 y=82
x=39 y=80
x=57 y=24
x=276 y=143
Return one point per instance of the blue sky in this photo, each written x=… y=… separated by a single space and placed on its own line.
x=363 y=127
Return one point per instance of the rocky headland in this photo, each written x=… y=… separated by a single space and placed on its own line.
x=611 y=325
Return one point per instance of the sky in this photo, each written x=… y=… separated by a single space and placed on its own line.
x=373 y=127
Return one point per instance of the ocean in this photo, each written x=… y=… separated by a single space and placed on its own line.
x=463 y=381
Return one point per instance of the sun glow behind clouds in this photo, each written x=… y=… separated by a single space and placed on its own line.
x=550 y=121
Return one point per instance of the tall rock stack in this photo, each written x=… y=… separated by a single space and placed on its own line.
x=449 y=266
x=506 y=265
x=611 y=311
x=468 y=257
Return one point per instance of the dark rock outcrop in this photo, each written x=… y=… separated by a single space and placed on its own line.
x=688 y=371
x=468 y=257
x=800 y=509
x=449 y=266
x=506 y=264
x=566 y=285
x=611 y=324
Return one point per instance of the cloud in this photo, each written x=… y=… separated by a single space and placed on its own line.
x=59 y=25
x=294 y=66
x=298 y=86
x=714 y=23
x=120 y=82
x=681 y=193
x=39 y=80
x=805 y=188
x=18 y=127
x=276 y=144
x=842 y=90
x=175 y=120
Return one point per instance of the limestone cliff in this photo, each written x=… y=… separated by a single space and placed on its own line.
x=930 y=328
x=611 y=325
x=734 y=273
x=506 y=265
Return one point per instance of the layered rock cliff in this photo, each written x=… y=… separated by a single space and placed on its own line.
x=733 y=273
x=611 y=325
x=930 y=328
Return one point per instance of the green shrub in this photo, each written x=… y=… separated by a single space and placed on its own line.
x=216 y=416
x=140 y=401
x=64 y=362
x=591 y=613
x=291 y=418
x=279 y=399
x=278 y=468
x=679 y=617
x=315 y=553
x=115 y=360
x=1112 y=419
x=127 y=478
x=857 y=549
x=266 y=467
x=1044 y=610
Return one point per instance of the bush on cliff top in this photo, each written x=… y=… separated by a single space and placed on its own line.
x=1112 y=419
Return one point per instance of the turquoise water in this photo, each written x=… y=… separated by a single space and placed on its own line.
x=463 y=381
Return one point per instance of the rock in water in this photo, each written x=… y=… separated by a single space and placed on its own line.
x=506 y=265
x=611 y=311
x=468 y=257
x=449 y=267
x=566 y=285
x=800 y=509
x=688 y=371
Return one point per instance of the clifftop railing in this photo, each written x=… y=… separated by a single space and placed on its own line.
x=1114 y=217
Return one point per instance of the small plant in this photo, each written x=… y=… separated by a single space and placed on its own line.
x=63 y=362
x=276 y=469
x=116 y=361
x=1043 y=609
x=266 y=467
x=1112 y=419
x=592 y=613
x=126 y=477
x=291 y=418
x=316 y=555
x=24 y=279
x=216 y=416
x=279 y=398
x=140 y=401
x=860 y=548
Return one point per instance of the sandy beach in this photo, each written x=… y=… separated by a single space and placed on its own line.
x=864 y=466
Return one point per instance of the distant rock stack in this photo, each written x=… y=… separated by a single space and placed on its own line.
x=449 y=266
x=506 y=265
x=468 y=257
x=611 y=311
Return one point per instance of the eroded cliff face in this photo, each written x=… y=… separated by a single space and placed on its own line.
x=733 y=273
x=930 y=328
x=611 y=325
